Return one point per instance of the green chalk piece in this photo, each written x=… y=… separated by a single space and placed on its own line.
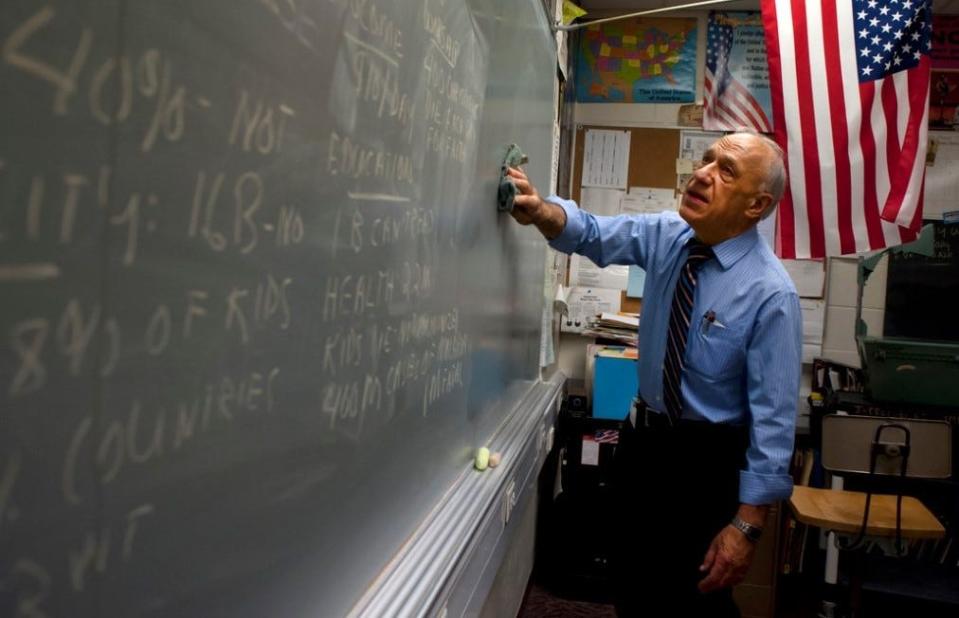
x=482 y=458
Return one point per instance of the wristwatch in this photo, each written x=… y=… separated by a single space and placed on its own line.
x=750 y=531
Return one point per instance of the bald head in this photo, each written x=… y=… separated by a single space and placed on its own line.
x=774 y=168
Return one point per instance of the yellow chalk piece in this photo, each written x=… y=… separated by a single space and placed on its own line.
x=494 y=460
x=482 y=458
x=657 y=69
x=651 y=51
x=604 y=50
x=663 y=48
x=629 y=39
x=633 y=63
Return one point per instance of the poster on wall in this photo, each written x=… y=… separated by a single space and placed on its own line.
x=944 y=95
x=944 y=100
x=650 y=60
x=736 y=87
x=945 y=42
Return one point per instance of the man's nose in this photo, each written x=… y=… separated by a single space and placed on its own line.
x=702 y=173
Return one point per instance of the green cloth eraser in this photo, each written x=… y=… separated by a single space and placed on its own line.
x=482 y=458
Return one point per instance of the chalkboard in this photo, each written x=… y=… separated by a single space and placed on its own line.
x=257 y=306
x=920 y=290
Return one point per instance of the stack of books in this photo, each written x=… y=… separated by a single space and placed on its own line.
x=619 y=327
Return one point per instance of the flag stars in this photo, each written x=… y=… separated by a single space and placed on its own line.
x=915 y=36
x=872 y=4
x=884 y=10
x=863 y=33
x=917 y=55
x=866 y=52
x=896 y=60
x=907 y=48
x=896 y=16
x=873 y=22
x=867 y=70
x=886 y=28
x=887 y=47
x=876 y=40
x=897 y=34
x=877 y=59
x=861 y=15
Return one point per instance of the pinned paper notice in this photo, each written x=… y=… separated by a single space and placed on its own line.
x=684 y=166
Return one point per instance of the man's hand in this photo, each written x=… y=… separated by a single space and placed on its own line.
x=529 y=207
x=727 y=560
x=730 y=554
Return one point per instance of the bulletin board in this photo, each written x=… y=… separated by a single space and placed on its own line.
x=652 y=157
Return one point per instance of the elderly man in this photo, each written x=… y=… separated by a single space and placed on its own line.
x=707 y=445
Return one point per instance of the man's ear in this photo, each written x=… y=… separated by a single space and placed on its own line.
x=758 y=206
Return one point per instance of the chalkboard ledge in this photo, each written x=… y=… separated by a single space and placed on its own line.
x=448 y=565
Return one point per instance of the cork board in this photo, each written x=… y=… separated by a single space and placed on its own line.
x=652 y=157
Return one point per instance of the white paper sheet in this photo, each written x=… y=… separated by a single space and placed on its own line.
x=583 y=273
x=644 y=200
x=813 y=321
x=590 y=452
x=606 y=159
x=587 y=303
x=601 y=201
x=692 y=144
x=942 y=181
x=808 y=275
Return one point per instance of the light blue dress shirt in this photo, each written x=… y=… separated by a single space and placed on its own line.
x=742 y=367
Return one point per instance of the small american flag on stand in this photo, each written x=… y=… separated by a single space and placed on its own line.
x=729 y=105
x=606 y=436
x=850 y=91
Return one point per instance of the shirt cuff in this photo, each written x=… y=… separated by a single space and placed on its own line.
x=755 y=488
x=569 y=238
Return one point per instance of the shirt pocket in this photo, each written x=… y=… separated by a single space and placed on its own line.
x=716 y=353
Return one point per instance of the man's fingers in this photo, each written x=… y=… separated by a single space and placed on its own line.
x=713 y=580
x=710 y=556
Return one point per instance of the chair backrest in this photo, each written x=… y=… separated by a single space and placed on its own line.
x=847 y=445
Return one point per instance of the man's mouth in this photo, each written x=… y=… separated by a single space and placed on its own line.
x=696 y=196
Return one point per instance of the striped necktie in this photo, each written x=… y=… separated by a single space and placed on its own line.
x=679 y=317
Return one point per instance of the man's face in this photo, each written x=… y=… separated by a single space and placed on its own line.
x=725 y=196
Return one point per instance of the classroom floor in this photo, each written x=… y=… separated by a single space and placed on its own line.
x=539 y=602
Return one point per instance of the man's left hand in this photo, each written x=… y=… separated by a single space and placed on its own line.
x=727 y=560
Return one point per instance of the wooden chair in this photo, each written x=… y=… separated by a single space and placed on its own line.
x=898 y=447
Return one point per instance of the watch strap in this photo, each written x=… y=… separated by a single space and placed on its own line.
x=753 y=533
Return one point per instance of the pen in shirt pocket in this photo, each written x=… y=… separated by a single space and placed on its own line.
x=709 y=320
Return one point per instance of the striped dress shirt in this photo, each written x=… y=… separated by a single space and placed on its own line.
x=744 y=351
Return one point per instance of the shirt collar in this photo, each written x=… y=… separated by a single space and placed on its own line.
x=731 y=250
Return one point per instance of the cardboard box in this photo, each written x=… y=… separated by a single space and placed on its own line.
x=615 y=382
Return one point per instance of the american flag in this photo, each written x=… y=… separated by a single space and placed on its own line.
x=606 y=436
x=850 y=90
x=729 y=104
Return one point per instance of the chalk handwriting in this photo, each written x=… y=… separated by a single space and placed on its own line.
x=259 y=127
x=150 y=431
x=93 y=555
x=63 y=81
x=33 y=585
x=8 y=479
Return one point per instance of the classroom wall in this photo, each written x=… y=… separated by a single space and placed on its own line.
x=840 y=289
